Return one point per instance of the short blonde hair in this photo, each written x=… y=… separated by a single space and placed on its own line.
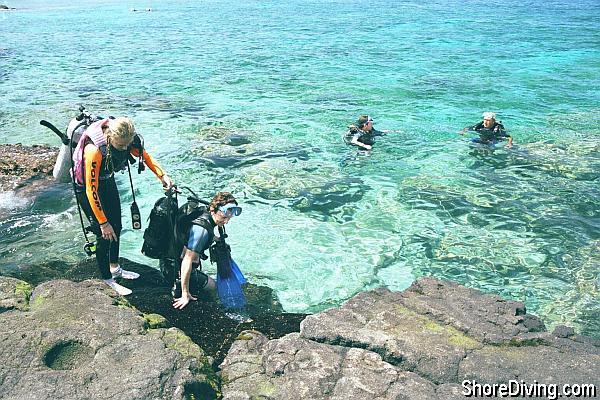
x=121 y=127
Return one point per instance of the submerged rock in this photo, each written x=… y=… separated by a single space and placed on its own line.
x=418 y=344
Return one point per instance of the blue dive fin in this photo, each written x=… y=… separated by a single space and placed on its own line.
x=238 y=273
x=230 y=292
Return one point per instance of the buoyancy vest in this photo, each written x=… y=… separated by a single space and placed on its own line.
x=363 y=136
x=493 y=134
x=193 y=213
x=94 y=134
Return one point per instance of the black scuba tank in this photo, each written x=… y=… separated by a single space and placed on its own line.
x=158 y=236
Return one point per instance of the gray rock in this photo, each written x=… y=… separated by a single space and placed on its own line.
x=544 y=364
x=422 y=343
x=485 y=317
x=77 y=341
x=14 y=294
x=379 y=322
x=293 y=367
x=562 y=331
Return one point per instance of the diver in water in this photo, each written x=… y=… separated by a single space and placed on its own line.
x=200 y=237
x=490 y=131
x=362 y=133
x=104 y=148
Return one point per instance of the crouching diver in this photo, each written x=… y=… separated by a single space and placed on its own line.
x=200 y=236
x=105 y=147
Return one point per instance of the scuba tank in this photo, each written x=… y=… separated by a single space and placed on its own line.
x=63 y=161
x=76 y=127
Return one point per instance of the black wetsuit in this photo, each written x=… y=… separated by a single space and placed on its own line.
x=361 y=136
x=489 y=135
x=107 y=251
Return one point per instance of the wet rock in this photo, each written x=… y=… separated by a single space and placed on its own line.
x=25 y=174
x=420 y=343
x=22 y=165
x=79 y=341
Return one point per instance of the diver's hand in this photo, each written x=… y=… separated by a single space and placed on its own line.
x=166 y=182
x=462 y=131
x=183 y=301
x=509 y=146
x=108 y=233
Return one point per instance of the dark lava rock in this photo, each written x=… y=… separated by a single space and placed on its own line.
x=418 y=344
x=23 y=166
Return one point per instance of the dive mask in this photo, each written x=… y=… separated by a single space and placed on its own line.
x=230 y=210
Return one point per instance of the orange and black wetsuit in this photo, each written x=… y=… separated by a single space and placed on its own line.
x=99 y=197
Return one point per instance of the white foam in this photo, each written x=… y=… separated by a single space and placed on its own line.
x=10 y=201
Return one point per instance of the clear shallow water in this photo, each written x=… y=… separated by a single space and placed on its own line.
x=253 y=97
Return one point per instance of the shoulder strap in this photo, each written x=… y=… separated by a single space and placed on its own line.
x=205 y=223
x=188 y=215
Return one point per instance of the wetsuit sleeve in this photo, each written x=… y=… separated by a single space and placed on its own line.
x=93 y=162
x=475 y=127
x=198 y=239
x=150 y=162
x=375 y=132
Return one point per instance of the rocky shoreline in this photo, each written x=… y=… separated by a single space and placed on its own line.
x=65 y=339
x=66 y=335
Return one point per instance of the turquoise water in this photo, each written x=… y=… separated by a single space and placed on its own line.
x=253 y=96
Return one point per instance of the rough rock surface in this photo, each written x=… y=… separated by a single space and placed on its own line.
x=14 y=294
x=418 y=344
x=23 y=165
x=77 y=341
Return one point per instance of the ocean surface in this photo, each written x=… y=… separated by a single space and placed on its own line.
x=253 y=97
